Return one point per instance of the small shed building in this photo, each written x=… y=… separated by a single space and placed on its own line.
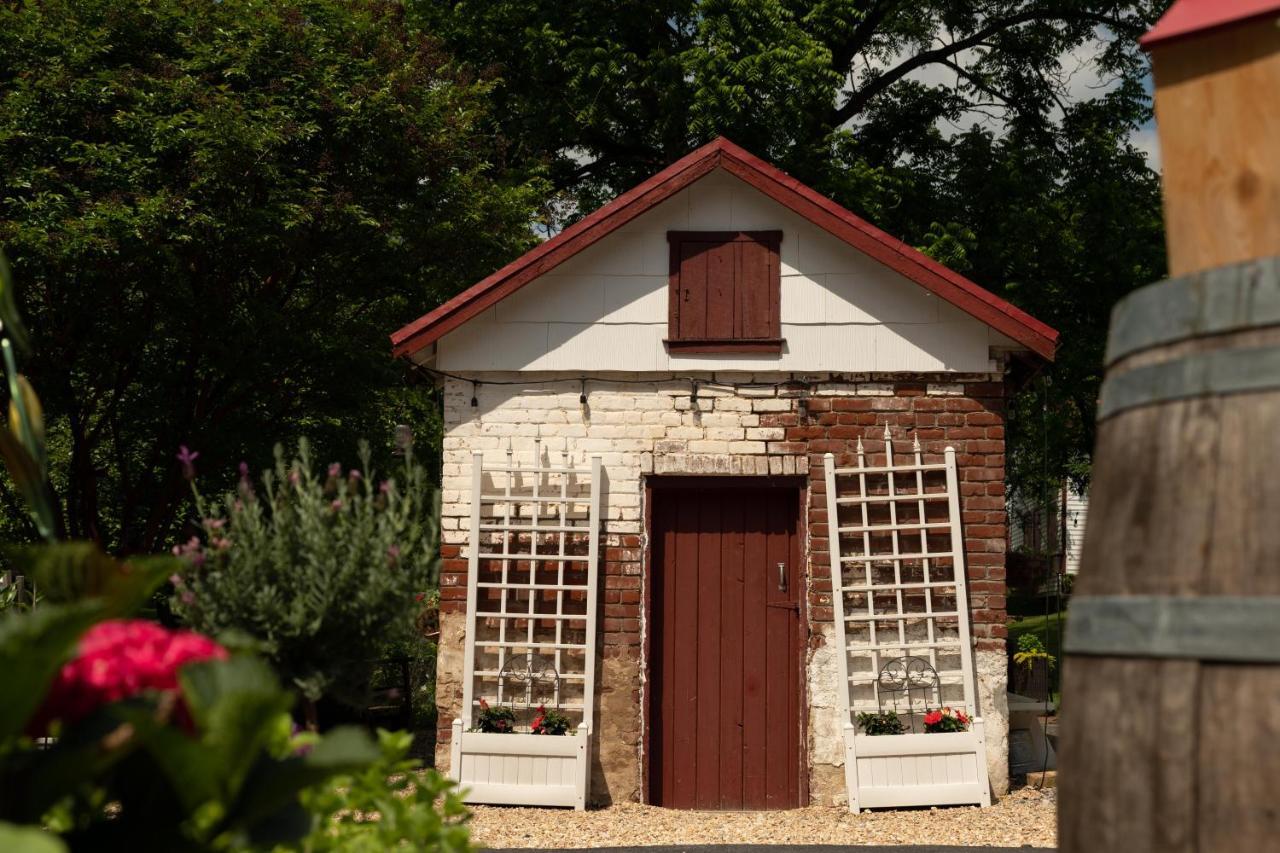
x=697 y=349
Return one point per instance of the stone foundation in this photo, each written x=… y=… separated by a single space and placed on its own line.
x=650 y=425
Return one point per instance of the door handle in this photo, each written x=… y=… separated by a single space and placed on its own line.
x=782 y=576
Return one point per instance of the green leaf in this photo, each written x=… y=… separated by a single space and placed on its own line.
x=33 y=645
x=31 y=481
x=235 y=704
x=9 y=315
x=28 y=839
x=273 y=786
x=73 y=571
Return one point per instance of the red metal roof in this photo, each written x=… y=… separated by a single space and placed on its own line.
x=777 y=185
x=1187 y=17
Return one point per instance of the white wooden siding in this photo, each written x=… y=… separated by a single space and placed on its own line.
x=1077 y=510
x=606 y=308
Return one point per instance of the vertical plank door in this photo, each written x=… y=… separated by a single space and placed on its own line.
x=724 y=700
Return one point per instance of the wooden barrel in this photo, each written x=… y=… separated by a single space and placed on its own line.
x=1170 y=726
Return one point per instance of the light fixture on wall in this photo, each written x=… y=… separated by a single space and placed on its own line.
x=582 y=397
x=474 y=390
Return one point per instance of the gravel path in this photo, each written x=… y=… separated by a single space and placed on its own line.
x=1024 y=818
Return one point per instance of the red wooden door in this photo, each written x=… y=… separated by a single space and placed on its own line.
x=725 y=692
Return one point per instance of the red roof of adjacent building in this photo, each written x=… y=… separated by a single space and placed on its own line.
x=774 y=183
x=1188 y=17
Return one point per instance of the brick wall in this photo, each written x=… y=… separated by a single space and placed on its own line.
x=653 y=425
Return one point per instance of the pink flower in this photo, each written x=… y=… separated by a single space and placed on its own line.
x=354 y=474
x=393 y=554
x=118 y=659
x=335 y=470
x=335 y=505
x=188 y=457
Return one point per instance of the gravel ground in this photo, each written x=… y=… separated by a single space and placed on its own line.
x=1024 y=818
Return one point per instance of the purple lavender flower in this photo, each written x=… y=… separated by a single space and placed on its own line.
x=188 y=457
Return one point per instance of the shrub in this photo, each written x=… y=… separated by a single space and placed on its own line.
x=416 y=809
x=322 y=571
x=883 y=723
x=161 y=740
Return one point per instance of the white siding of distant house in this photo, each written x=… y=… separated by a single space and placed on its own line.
x=605 y=309
x=1024 y=515
x=1077 y=508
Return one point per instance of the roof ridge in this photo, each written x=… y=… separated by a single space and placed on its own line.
x=788 y=191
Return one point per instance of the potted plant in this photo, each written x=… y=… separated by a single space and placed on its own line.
x=882 y=723
x=946 y=720
x=550 y=722
x=1032 y=663
x=499 y=720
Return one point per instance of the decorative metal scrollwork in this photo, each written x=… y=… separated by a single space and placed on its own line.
x=907 y=679
x=527 y=681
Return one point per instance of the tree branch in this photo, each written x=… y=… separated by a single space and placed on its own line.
x=859 y=99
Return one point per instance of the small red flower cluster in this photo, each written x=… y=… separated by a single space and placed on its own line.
x=946 y=720
x=536 y=725
x=118 y=659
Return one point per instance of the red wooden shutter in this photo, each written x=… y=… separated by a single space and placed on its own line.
x=725 y=291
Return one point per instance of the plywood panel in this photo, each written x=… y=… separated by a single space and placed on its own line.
x=877 y=296
x=555 y=298
x=623 y=280
x=634 y=299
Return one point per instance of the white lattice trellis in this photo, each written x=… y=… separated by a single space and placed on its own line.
x=531 y=613
x=898 y=584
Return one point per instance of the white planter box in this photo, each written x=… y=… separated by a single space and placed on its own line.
x=894 y=771
x=522 y=769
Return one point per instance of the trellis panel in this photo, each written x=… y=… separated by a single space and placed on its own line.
x=532 y=587
x=898 y=585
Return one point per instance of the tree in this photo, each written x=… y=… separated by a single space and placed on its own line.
x=218 y=211
x=950 y=124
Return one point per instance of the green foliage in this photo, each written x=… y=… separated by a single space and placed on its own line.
x=416 y=809
x=495 y=720
x=882 y=723
x=206 y=767
x=219 y=211
x=1030 y=650
x=321 y=570
x=959 y=127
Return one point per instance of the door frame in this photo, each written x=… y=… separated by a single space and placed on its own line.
x=658 y=482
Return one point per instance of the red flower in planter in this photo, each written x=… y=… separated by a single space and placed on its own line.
x=118 y=659
x=933 y=718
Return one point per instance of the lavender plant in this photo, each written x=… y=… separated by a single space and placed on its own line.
x=322 y=570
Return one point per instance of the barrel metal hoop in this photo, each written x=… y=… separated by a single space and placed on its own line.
x=1224 y=299
x=1215 y=628
x=1228 y=371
